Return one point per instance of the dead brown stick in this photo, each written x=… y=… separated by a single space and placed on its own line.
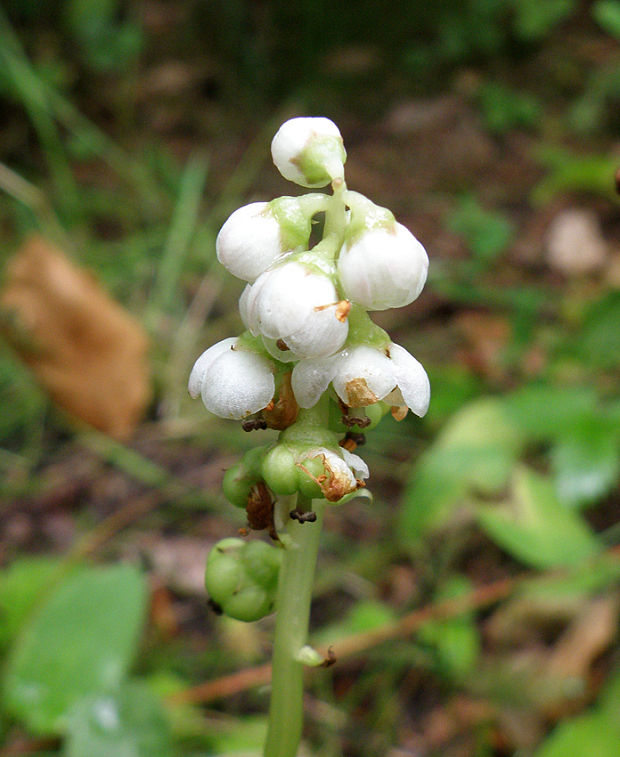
x=481 y=597
x=229 y=685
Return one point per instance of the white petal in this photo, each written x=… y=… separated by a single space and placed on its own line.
x=364 y=376
x=283 y=297
x=321 y=334
x=310 y=379
x=383 y=268
x=238 y=383
x=244 y=307
x=203 y=363
x=355 y=462
x=412 y=380
x=250 y=241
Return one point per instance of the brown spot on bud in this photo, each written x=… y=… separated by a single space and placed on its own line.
x=282 y=345
x=399 y=412
x=359 y=393
x=343 y=308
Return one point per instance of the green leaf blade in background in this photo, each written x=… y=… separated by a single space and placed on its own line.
x=586 y=462
x=475 y=452
x=130 y=722
x=82 y=641
x=535 y=528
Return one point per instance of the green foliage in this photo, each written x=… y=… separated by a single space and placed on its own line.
x=21 y=586
x=534 y=526
x=586 y=461
x=475 y=453
x=607 y=14
x=504 y=109
x=535 y=19
x=105 y=43
x=486 y=233
x=81 y=642
x=128 y=722
x=596 y=732
x=569 y=172
x=455 y=642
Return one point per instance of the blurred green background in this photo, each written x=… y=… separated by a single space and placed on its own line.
x=488 y=563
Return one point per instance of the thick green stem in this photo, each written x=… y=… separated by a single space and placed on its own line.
x=301 y=544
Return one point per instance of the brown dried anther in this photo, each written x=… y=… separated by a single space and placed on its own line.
x=309 y=516
x=260 y=509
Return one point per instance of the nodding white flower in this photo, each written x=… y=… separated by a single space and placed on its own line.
x=299 y=308
x=233 y=382
x=309 y=151
x=250 y=241
x=383 y=267
x=344 y=472
x=364 y=375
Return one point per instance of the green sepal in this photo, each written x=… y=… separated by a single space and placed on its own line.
x=295 y=224
x=322 y=160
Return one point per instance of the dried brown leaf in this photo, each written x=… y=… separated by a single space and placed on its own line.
x=88 y=353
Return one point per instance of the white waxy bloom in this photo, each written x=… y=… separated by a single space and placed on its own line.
x=233 y=382
x=298 y=307
x=364 y=375
x=309 y=151
x=250 y=241
x=383 y=267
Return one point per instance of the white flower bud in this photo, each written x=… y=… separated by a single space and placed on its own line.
x=250 y=241
x=297 y=306
x=383 y=267
x=364 y=375
x=232 y=381
x=309 y=151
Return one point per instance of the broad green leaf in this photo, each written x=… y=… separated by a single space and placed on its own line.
x=586 y=462
x=130 y=722
x=594 y=734
x=544 y=411
x=475 y=453
x=456 y=641
x=21 y=584
x=535 y=528
x=81 y=642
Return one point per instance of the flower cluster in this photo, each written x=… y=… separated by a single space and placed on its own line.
x=312 y=363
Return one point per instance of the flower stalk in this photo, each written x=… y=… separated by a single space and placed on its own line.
x=301 y=544
x=314 y=366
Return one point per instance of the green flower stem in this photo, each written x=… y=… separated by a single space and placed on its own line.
x=301 y=544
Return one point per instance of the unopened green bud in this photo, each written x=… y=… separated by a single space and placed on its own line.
x=279 y=470
x=262 y=563
x=224 y=573
x=236 y=485
x=309 y=471
x=251 y=603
